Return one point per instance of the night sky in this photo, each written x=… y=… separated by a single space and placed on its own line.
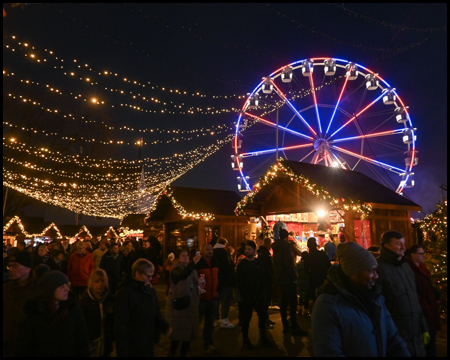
x=217 y=54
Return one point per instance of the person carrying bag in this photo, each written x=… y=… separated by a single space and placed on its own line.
x=182 y=302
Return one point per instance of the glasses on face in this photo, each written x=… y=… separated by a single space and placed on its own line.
x=149 y=277
x=420 y=253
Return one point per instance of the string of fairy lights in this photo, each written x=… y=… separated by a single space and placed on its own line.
x=75 y=70
x=106 y=187
x=113 y=199
x=279 y=169
x=168 y=192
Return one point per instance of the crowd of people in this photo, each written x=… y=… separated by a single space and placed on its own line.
x=97 y=300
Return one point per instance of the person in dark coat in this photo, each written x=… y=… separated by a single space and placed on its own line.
x=97 y=305
x=43 y=257
x=58 y=256
x=16 y=292
x=303 y=286
x=253 y=283
x=428 y=295
x=183 y=283
x=114 y=266
x=54 y=325
x=266 y=257
x=227 y=281
x=316 y=266
x=286 y=277
x=138 y=322
x=350 y=317
x=147 y=252
x=400 y=292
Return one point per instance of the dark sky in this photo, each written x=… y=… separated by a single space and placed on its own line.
x=222 y=51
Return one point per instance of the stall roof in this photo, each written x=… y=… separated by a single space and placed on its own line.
x=337 y=183
x=195 y=200
x=347 y=183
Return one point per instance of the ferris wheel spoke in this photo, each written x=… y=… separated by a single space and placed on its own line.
x=269 y=151
x=337 y=104
x=355 y=116
x=269 y=123
x=281 y=94
x=313 y=90
x=384 y=133
x=337 y=161
x=369 y=160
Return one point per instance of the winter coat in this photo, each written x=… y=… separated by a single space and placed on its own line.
x=253 y=281
x=14 y=299
x=211 y=272
x=227 y=275
x=99 y=315
x=79 y=268
x=283 y=262
x=427 y=295
x=265 y=256
x=138 y=322
x=303 y=285
x=316 y=266
x=183 y=282
x=399 y=289
x=47 y=260
x=39 y=336
x=345 y=325
x=115 y=268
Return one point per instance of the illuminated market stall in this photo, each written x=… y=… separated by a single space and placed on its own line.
x=318 y=200
x=190 y=217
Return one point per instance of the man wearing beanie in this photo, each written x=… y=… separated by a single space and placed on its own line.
x=286 y=277
x=16 y=292
x=400 y=291
x=350 y=317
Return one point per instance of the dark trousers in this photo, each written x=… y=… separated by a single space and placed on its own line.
x=226 y=294
x=288 y=297
x=245 y=315
x=207 y=309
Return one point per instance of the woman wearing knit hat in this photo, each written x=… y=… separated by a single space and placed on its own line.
x=351 y=310
x=54 y=314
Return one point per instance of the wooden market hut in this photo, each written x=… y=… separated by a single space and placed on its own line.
x=191 y=217
x=296 y=187
x=13 y=231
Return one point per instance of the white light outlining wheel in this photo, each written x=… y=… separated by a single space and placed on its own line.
x=326 y=111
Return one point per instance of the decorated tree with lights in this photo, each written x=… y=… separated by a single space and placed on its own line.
x=434 y=228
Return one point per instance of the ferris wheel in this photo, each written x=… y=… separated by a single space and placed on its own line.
x=326 y=111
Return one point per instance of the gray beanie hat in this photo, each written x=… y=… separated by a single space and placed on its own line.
x=50 y=281
x=354 y=259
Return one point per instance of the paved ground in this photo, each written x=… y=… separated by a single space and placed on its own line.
x=228 y=342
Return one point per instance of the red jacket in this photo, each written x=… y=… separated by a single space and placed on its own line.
x=211 y=272
x=79 y=268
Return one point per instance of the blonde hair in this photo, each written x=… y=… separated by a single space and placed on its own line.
x=95 y=275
